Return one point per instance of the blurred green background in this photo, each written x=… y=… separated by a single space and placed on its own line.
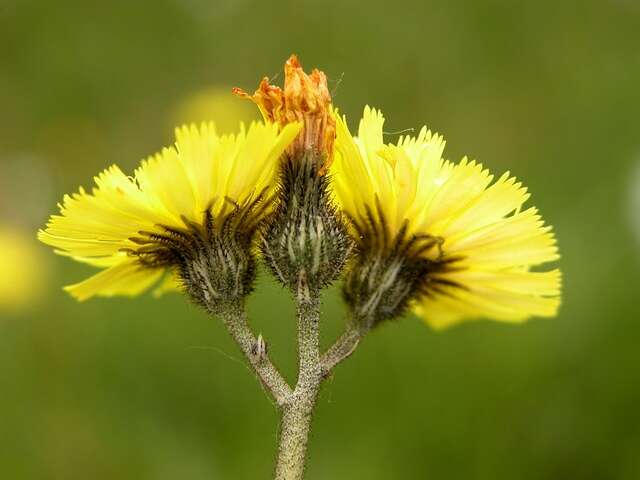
x=153 y=389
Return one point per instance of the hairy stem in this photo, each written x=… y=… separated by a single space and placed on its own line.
x=342 y=349
x=255 y=351
x=308 y=312
x=294 y=436
x=298 y=412
x=296 y=405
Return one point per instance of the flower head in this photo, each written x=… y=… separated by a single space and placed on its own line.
x=304 y=242
x=183 y=206
x=441 y=237
x=305 y=99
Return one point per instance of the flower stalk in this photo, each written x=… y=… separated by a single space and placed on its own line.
x=297 y=413
x=254 y=349
x=342 y=349
x=296 y=405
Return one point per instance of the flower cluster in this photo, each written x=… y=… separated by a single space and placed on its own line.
x=407 y=228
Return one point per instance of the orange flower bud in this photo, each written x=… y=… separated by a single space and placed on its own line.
x=305 y=99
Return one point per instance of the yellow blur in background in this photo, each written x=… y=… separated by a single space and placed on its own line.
x=218 y=104
x=24 y=270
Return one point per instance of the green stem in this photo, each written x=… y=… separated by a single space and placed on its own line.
x=298 y=412
x=255 y=351
x=294 y=437
x=296 y=405
x=343 y=348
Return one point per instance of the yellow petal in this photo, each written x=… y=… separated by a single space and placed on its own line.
x=495 y=298
x=164 y=179
x=170 y=283
x=126 y=278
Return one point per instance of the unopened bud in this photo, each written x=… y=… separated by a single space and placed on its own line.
x=304 y=242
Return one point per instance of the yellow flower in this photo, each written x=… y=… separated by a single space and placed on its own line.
x=23 y=270
x=466 y=235
x=128 y=226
